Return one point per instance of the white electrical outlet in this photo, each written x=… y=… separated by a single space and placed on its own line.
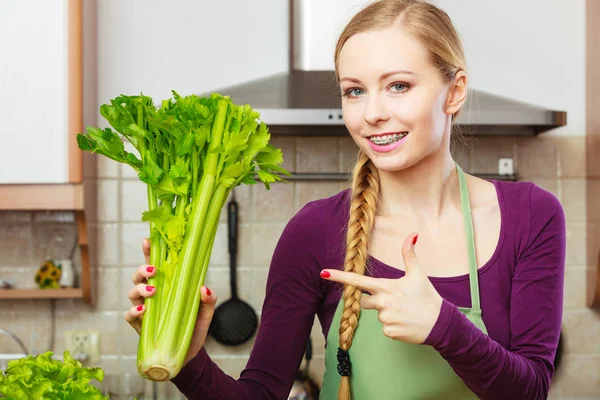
x=83 y=346
x=505 y=166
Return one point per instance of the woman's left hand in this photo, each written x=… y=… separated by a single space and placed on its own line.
x=408 y=307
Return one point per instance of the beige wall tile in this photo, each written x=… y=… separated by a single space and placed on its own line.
x=593 y=199
x=131 y=247
x=127 y=172
x=90 y=165
x=108 y=244
x=232 y=366
x=536 y=157
x=309 y=191
x=488 y=150
x=217 y=280
x=318 y=340
x=53 y=216
x=107 y=168
x=275 y=205
x=576 y=244
x=551 y=185
x=582 y=331
x=21 y=277
x=317 y=154
x=556 y=387
x=593 y=242
x=554 y=393
x=14 y=216
x=591 y=282
x=581 y=376
x=265 y=238
x=131 y=384
x=461 y=151
x=220 y=251
x=125 y=275
x=575 y=284
x=29 y=320
x=134 y=200
x=90 y=200
x=16 y=244
x=571 y=156
x=54 y=240
x=243 y=196
x=259 y=285
x=245 y=244
x=348 y=154
x=573 y=198
x=129 y=338
x=80 y=317
x=215 y=349
x=108 y=200
x=288 y=148
x=593 y=154
x=108 y=289
x=317 y=368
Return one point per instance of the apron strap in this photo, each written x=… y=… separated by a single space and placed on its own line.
x=470 y=236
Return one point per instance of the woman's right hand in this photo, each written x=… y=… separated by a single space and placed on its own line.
x=141 y=290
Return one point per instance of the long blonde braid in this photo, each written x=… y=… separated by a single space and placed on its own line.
x=363 y=207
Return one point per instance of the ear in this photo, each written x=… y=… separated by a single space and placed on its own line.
x=457 y=94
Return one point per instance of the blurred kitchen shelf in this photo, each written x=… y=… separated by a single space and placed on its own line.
x=35 y=294
x=51 y=197
x=334 y=176
x=54 y=197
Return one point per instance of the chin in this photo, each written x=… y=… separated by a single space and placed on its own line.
x=390 y=165
x=390 y=162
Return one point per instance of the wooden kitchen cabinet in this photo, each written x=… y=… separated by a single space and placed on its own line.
x=41 y=112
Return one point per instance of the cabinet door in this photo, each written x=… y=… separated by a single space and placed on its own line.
x=36 y=78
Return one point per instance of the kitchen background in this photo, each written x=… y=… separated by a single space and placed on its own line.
x=527 y=50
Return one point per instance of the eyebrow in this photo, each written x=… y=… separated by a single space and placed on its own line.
x=384 y=76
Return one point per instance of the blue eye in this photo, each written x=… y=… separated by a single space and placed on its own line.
x=354 y=92
x=399 y=87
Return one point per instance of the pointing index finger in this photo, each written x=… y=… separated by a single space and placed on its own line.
x=372 y=285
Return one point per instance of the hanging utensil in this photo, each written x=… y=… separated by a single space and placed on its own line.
x=234 y=321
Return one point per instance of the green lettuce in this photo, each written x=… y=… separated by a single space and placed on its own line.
x=42 y=377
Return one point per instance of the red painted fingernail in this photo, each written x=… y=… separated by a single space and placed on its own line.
x=415 y=239
x=325 y=274
x=208 y=293
x=150 y=269
x=149 y=288
x=140 y=308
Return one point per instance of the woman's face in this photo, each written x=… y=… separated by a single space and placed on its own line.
x=394 y=102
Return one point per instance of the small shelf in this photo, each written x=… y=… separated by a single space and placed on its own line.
x=31 y=294
x=53 y=197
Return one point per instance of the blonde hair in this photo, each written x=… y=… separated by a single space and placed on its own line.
x=434 y=30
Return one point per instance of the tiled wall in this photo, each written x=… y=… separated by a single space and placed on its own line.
x=555 y=163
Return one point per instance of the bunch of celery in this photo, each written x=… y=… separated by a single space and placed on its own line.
x=193 y=151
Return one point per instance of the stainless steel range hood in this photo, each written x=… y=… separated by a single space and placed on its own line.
x=306 y=102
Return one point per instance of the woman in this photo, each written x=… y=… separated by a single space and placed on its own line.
x=428 y=283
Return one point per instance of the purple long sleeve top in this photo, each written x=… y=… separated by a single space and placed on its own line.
x=521 y=290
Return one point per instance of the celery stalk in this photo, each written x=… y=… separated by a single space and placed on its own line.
x=193 y=151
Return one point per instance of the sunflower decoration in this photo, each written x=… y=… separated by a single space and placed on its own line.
x=48 y=275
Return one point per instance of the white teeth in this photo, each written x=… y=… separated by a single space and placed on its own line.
x=387 y=139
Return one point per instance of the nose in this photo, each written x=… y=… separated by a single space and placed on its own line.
x=375 y=111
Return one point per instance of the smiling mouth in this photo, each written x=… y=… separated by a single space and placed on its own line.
x=382 y=140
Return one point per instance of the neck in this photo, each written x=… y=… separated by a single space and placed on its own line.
x=427 y=190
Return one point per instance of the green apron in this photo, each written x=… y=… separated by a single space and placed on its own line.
x=387 y=369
